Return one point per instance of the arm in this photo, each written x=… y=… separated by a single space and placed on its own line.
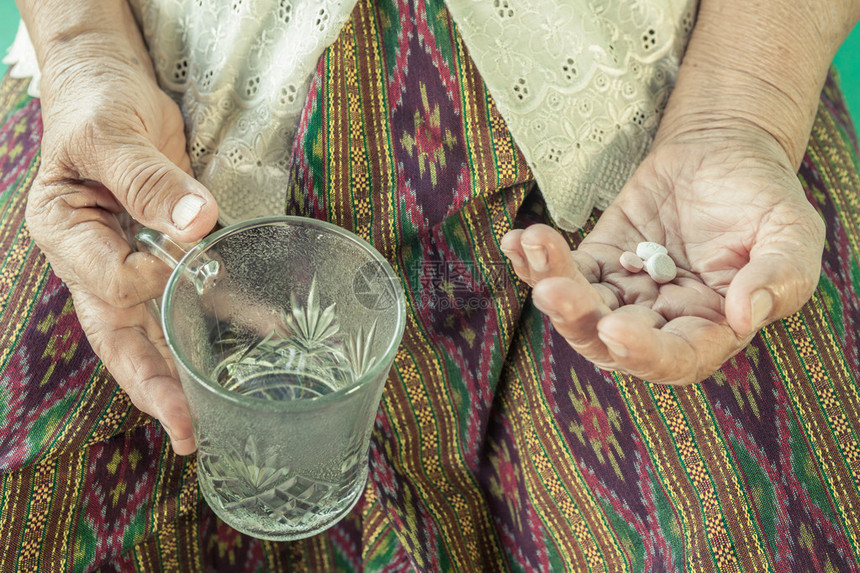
x=719 y=189
x=63 y=32
x=761 y=62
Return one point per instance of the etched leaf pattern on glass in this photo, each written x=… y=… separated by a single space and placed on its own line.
x=308 y=322
x=307 y=342
x=358 y=350
x=249 y=478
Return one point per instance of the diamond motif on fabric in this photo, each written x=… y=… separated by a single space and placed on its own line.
x=429 y=140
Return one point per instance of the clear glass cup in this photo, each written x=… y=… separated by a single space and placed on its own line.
x=283 y=330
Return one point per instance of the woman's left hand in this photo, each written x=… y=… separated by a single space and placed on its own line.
x=728 y=206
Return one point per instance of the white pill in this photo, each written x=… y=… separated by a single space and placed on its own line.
x=631 y=262
x=661 y=268
x=648 y=249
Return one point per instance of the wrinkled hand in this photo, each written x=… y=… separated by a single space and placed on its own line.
x=730 y=209
x=113 y=144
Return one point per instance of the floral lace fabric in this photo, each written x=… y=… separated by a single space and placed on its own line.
x=580 y=83
x=240 y=70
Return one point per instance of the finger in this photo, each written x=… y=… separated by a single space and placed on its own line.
x=120 y=340
x=689 y=297
x=85 y=243
x=683 y=351
x=611 y=349
x=547 y=253
x=155 y=191
x=779 y=278
x=155 y=334
x=175 y=415
x=549 y=257
x=142 y=372
x=540 y=252
x=510 y=245
x=574 y=308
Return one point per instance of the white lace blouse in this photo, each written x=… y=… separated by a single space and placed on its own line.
x=580 y=83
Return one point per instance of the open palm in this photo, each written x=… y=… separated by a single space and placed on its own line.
x=734 y=218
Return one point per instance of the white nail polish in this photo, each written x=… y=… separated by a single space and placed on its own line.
x=631 y=262
x=647 y=249
x=661 y=268
x=186 y=210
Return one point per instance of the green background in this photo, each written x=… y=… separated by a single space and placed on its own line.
x=847 y=60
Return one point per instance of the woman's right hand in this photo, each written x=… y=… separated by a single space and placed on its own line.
x=114 y=144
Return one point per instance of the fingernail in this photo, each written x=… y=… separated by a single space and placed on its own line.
x=614 y=346
x=186 y=210
x=166 y=429
x=171 y=434
x=550 y=313
x=536 y=256
x=514 y=257
x=761 y=304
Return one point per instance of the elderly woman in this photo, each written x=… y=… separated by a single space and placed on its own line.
x=523 y=425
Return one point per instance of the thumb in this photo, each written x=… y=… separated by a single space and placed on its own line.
x=159 y=194
x=774 y=284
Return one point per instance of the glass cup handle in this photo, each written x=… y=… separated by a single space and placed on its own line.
x=204 y=270
x=160 y=245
